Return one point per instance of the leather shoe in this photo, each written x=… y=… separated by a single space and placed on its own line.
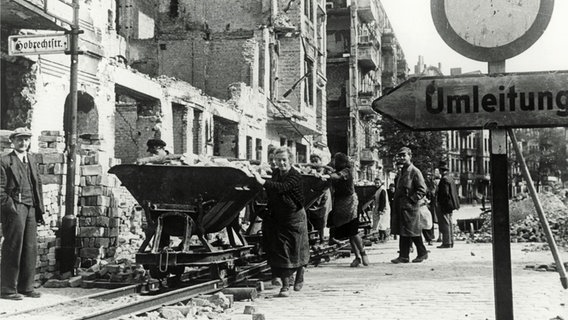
x=298 y=286
x=420 y=258
x=12 y=296
x=444 y=246
x=32 y=294
x=400 y=260
x=284 y=293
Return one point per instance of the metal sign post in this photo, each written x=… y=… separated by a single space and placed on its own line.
x=67 y=255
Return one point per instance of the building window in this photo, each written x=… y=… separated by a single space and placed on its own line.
x=309 y=83
x=259 y=149
x=249 y=148
x=308 y=9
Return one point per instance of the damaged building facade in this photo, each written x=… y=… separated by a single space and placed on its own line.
x=364 y=61
x=210 y=78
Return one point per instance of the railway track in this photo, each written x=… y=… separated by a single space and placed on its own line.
x=127 y=300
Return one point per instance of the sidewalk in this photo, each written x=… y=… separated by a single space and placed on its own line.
x=452 y=284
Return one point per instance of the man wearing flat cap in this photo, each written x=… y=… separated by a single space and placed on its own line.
x=410 y=189
x=448 y=201
x=22 y=209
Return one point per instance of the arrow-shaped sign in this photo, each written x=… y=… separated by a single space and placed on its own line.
x=515 y=100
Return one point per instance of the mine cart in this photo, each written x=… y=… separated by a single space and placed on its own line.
x=186 y=201
x=366 y=197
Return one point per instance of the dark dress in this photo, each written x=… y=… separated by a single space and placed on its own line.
x=343 y=216
x=288 y=229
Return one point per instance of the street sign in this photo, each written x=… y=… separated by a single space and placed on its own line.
x=491 y=31
x=38 y=44
x=516 y=100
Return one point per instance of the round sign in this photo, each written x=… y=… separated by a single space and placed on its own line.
x=491 y=30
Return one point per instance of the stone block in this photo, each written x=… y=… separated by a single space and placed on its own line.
x=75 y=282
x=52 y=178
x=91 y=170
x=92 y=211
x=89 y=253
x=92 y=190
x=54 y=158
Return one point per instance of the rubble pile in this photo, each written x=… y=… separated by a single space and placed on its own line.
x=216 y=306
x=525 y=223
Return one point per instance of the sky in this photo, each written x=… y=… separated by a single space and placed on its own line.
x=415 y=31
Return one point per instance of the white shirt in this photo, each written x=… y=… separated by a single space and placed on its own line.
x=21 y=156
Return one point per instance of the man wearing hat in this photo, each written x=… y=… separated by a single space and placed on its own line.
x=409 y=192
x=448 y=201
x=22 y=209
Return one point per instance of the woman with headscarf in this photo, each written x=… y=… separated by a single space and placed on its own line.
x=343 y=216
x=289 y=250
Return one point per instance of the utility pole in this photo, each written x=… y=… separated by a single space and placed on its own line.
x=67 y=254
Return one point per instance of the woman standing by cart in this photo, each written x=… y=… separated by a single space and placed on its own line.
x=289 y=252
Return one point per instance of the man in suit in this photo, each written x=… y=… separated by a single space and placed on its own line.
x=22 y=209
x=448 y=201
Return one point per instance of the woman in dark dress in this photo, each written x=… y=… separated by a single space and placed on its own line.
x=343 y=216
x=289 y=250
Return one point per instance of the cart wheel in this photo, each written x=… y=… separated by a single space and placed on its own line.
x=156 y=273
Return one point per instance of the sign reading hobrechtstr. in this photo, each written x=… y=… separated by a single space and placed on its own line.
x=38 y=44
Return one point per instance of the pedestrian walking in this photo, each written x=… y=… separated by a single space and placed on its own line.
x=448 y=201
x=21 y=197
x=409 y=194
x=289 y=249
x=381 y=212
x=343 y=219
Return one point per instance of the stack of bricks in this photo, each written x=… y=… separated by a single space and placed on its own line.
x=52 y=168
x=98 y=216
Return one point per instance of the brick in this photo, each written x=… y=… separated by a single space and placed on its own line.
x=91 y=170
x=52 y=179
x=92 y=191
x=91 y=232
x=54 y=158
x=92 y=211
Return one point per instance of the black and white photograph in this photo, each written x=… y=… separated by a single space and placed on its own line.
x=284 y=159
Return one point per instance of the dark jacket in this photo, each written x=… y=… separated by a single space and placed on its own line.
x=447 y=197
x=10 y=177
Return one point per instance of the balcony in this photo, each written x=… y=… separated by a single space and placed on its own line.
x=368 y=56
x=364 y=101
x=388 y=40
x=467 y=152
x=39 y=15
x=369 y=155
x=368 y=10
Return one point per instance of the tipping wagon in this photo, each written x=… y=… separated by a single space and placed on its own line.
x=189 y=202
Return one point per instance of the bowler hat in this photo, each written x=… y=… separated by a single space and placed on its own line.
x=155 y=143
x=443 y=166
x=20 y=132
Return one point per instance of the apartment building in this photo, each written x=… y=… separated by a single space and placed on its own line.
x=275 y=47
x=364 y=61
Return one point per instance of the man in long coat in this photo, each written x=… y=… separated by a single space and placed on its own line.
x=410 y=189
x=448 y=201
x=21 y=211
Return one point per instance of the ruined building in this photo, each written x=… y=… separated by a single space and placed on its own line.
x=364 y=61
x=214 y=78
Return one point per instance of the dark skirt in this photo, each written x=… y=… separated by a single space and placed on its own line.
x=347 y=230
x=286 y=240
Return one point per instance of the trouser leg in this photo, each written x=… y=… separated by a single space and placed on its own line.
x=450 y=229
x=19 y=250
x=29 y=253
x=404 y=246
x=445 y=228
x=419 y=246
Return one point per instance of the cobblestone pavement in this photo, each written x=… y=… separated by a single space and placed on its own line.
x=452 y=284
